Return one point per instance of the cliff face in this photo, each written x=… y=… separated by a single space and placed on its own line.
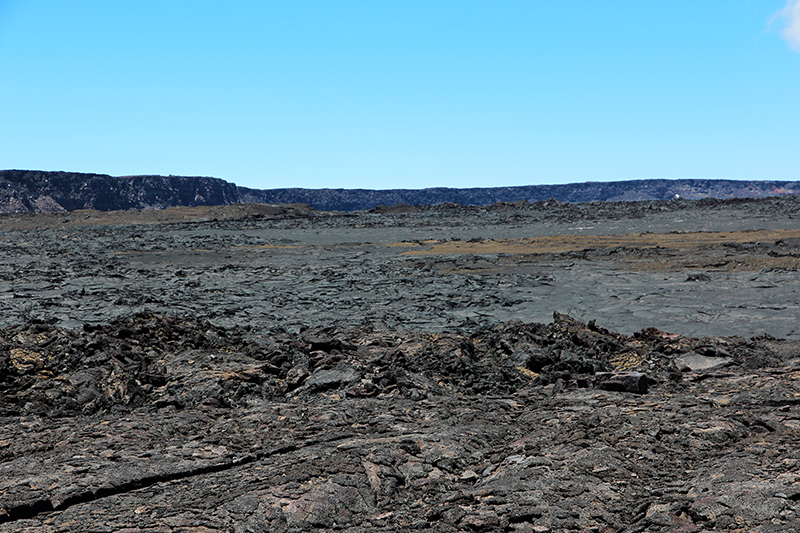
x=38 y=192
x=656 y=189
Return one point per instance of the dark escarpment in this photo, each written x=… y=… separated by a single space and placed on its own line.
x=633 y=190
x=42 y=192
x=36 y=191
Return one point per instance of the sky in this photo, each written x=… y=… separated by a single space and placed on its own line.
x=402 y=94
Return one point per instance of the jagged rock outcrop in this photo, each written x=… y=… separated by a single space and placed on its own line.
x=163 y=423
x=41 y=192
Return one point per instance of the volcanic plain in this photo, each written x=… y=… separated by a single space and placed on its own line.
x=604 y=367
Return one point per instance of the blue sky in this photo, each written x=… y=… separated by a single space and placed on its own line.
x=405 y=94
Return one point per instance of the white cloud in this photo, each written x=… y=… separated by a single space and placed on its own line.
x=790 y=16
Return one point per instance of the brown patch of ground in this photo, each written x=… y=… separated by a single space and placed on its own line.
x=733 y=251
x=570 y=243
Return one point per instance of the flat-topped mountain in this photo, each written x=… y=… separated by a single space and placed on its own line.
x=46 y=192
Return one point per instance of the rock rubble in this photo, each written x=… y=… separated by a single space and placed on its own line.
x=168 y=423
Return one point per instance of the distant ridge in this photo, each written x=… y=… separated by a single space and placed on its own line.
x=615 y=191
x=37 y=191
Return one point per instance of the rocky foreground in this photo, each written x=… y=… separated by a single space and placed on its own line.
x=167 y=423
x=275 y=368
